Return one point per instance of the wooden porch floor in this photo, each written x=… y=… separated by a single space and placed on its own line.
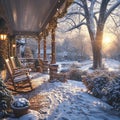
x=37 y=79
x=33 y=96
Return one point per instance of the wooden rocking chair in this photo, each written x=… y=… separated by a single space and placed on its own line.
x=15 y=68
x=19 y=79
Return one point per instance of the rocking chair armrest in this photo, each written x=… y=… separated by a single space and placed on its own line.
x=19 y=74
x=22 y=69
x=17 y=68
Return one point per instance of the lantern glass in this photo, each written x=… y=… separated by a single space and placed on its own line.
x=13 y=45
x=3 y=36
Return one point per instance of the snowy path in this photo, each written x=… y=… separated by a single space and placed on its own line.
x=69 y=101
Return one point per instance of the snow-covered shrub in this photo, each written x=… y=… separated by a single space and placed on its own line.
x=105 y=86
x=111 y=93
x=96 y=84
x=5 y=100
x=88 y=83
x=99 y=83
x=75 y=74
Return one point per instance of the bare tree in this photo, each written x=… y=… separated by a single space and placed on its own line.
x=94 y=15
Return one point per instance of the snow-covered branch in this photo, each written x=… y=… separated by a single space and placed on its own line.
x=76 y=26
x=71 y=20
x=111 y=9
x=75 y=2
x=76 y=13
x=66 y=20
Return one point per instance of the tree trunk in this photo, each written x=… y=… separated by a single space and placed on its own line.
x=95 y=61
x=97 y=50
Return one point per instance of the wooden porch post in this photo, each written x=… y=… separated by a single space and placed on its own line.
x=10 y=46
x=45 y=56
x=53 y=66
x=53 y=25
x=53 y=50
x=12 y=42
x=39 y=39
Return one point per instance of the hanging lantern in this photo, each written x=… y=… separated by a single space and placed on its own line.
x=14 y=45
x=3 y=29
x=3 y=36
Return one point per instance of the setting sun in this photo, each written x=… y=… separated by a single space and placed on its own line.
x=107 y=40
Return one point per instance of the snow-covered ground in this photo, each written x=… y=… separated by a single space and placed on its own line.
x=70 y=101
x=110 y=64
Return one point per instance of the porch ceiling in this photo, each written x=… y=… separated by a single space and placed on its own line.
x=29 y=16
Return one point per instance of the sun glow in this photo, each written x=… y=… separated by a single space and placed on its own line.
x=108 y=41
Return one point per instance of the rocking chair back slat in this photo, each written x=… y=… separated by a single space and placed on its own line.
x=8 y=66
x=13 y=62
